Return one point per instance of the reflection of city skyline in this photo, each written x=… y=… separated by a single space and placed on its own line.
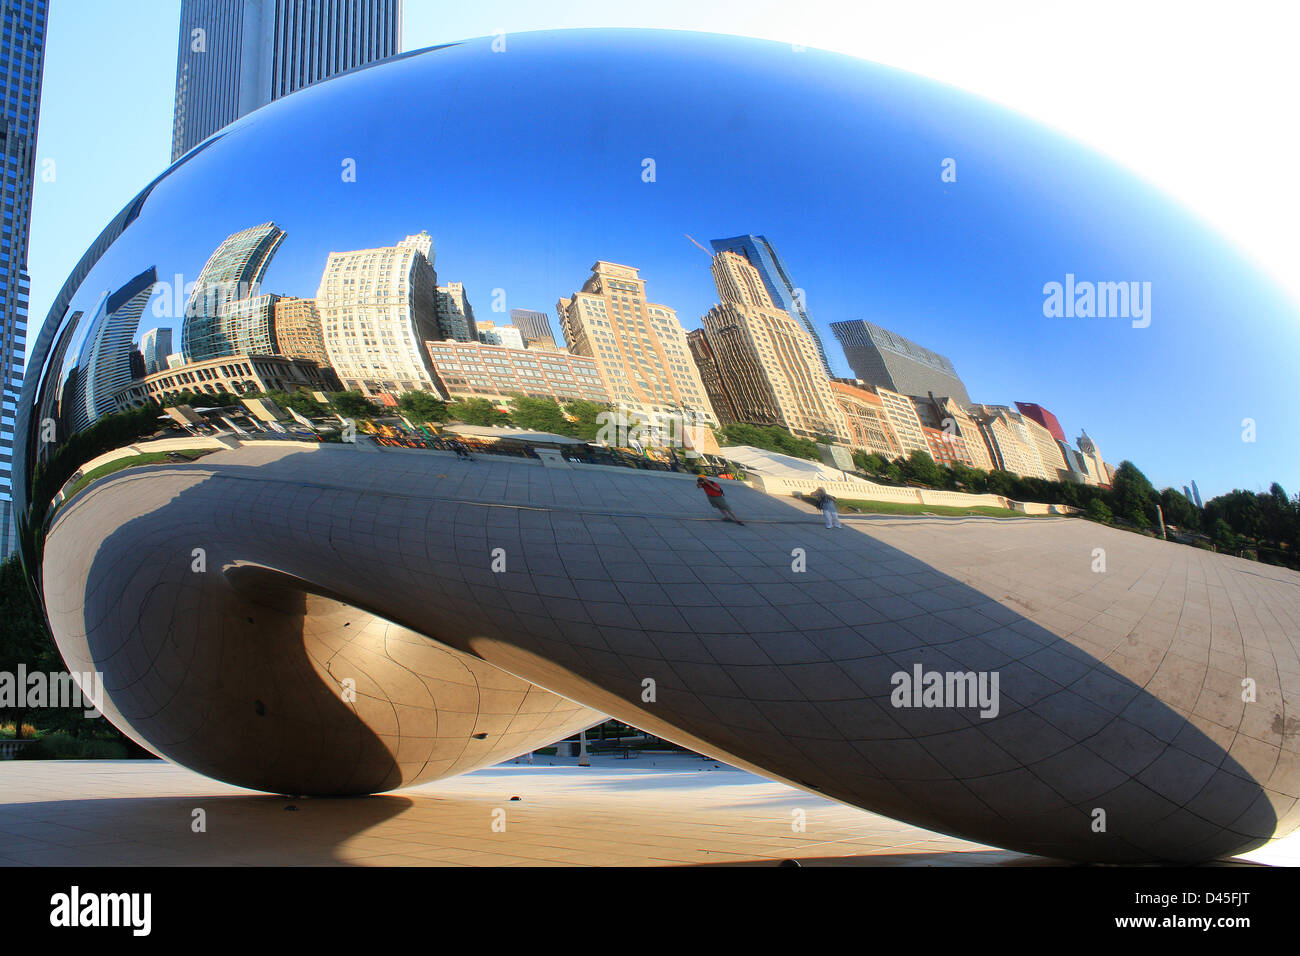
x=956 y=267
x=378 y=314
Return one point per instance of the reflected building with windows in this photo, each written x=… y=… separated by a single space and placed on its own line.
x=535 y=327
x=639 y=346
x=297 y=330
x=104 y=364
x=218 y=308
x=479 y=370
x=869 y=426
x=785 y=295
x=155 y=346
x=768 y=362
x=22 y=62
x=228 y=375
x=881 y=357
x=377 y=308
x=455 y=314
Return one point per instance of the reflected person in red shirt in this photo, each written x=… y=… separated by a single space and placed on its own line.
x=717 y=498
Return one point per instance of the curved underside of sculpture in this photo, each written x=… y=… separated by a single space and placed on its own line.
x=482 y=609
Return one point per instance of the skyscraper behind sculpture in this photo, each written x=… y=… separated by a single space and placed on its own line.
x=234 y=56
x=22 y=60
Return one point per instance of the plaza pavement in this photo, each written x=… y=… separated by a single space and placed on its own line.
x=661 y=809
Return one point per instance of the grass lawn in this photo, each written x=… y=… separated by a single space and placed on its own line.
x=149 y=458
x=846 y=506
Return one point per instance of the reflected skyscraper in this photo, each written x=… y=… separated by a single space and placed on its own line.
x=535 y=327
x=236 y=55
x=762 y=255
x=231 y=275
x=155 y=346
x=297 y=330
x=639 y=345
x=455 y=314
x=881 y=357
x=104 y=363
x=22 y=59
x=768 y=363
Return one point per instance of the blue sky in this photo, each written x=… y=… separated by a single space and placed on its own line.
x=866 y=227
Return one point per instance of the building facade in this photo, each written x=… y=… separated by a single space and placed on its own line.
x=155 y=346
x=1043 y=417
x=489 y=333
x=455 y=314
x=22 y=65
x=297 y=330
x=377 y=309
x=1009 y=441
x=785 y=295
x=535 y=327
x=902 y=417
x=767 y=361
x=1092 y=458
x=881 y=357
x=869 y=427
x=476 y=370
x=248 y=325
x=1050 y=454
x=706 y=363
x=104 y=362
x=230 y=374
x=946 y=448
x=234 y=56
x=232 y=275
x=639 y=346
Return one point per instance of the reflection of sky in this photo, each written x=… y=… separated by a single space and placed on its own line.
x=526 y=167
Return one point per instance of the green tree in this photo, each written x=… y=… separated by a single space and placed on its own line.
x=24 y=638
x=422 y=407
x=586 y=414
x=1223 y=536
x=540 y=415
x=974 y=480
x=1134 y=497
x=921 y=467
x=869 y=462
x=477 y=411
x=1001 y=482
x=354 y=404
x=1099 y=511
x=1179 y=512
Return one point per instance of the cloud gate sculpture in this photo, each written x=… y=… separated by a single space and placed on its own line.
x=345 y=617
